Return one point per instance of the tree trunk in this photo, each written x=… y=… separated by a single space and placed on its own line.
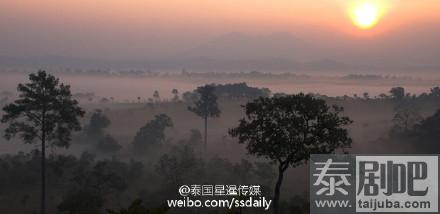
x=43 y=175
x=206 y=132
x=43 y=167
x=276 y=197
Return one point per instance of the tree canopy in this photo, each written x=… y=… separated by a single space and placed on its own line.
x=152 y=133
x=206 y=105
x=45 y=108
x=98 y=122
x=288 y=129
x=397 y=93
x=46 y=111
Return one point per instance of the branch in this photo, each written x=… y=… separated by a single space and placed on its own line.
x=33 y=116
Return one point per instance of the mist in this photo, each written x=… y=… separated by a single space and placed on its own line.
x=111 y=106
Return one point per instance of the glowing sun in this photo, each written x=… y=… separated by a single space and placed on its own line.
x=366 y=15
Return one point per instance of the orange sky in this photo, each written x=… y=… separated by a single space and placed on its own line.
x=67 y=24
x=244 y=13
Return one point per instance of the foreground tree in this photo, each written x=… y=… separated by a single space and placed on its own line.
x=288 y=129
x=206 y=106
x=44 y=111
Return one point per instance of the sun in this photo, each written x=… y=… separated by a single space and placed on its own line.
x=366 y=15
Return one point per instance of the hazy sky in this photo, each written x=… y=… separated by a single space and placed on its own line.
x=137 y=29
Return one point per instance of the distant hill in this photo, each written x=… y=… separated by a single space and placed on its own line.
x=238 y=46
x=400 y=50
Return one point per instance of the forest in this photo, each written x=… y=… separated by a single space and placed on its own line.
x=66 y=151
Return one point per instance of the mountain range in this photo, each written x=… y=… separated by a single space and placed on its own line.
x=276 y=51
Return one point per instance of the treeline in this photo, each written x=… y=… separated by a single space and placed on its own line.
x=86 y=184
x=186 y=73
x=232 y=91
